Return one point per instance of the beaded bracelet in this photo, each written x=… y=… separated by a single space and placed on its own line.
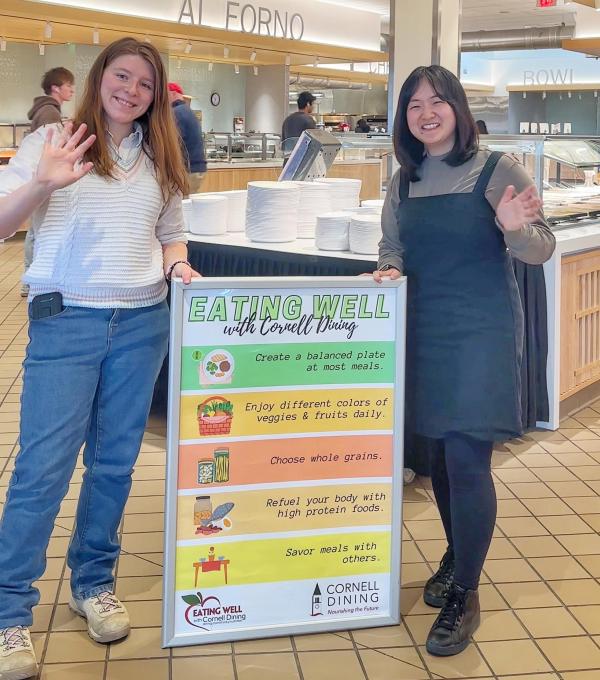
x=170 y=270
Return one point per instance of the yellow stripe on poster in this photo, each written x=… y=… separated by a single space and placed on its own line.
x=287 y=509
x=272 y=413
x=282 y=559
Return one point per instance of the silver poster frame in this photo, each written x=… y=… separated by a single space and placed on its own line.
x=169 y=637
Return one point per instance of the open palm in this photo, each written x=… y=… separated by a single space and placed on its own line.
x=515 y=210
x=61 y=163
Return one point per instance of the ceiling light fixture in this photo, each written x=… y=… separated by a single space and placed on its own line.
x=210 y=66
x=96 y=36
x=255 y=70
x=188 y=48
x=236 y=68
x=253 y=55
x=2 y=45
x=288 y=60
x=47 y=30
x=370 y=86
x=42 y=49
x=226 y=52
x=316 y=61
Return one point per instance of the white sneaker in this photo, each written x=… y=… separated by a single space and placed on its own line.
x=106 y=616
x=17 y=658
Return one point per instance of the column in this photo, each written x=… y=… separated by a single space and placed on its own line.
x=422 y=32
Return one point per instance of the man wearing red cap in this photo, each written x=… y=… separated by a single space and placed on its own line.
x=191 y=136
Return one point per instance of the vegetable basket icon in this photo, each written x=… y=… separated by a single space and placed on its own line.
x=214 y=416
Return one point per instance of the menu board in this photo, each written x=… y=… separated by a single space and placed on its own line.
x=284 y=476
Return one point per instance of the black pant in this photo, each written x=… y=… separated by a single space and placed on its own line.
x=464 y=490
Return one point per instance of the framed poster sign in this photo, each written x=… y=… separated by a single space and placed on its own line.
x=284 y=477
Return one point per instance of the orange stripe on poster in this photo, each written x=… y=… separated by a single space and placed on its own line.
x=284 y=460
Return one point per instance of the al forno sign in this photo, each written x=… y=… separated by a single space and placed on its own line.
x=310 y=21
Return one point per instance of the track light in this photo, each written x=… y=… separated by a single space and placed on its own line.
x=96 y=36
x=370 y=86
x=2 y=45
x=288 y=60
x=42 y=49
x=252 y=55
x=226 y=52
x=210 y=66
x=47 y=30
x=255 y=70
x=147 y=39
x=236 y=68
x=316 y=61
x=188 y=48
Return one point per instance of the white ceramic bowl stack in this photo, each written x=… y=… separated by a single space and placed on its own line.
x=315 y=199
x=345 y=192
x=332 y=231
x=186 y=206
x=208 y=215
x=272 y=211
x=236 y=209
x=365 y=234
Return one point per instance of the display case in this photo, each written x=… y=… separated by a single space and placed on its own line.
x=565 y=170
x=357 y=146
x=230 y=147
x=11 y=136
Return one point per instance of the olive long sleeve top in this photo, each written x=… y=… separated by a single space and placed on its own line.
x=533 y=244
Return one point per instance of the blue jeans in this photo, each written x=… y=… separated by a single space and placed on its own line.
x=89 y=377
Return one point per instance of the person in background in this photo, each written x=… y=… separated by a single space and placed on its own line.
x=295 y=124
x=191 y=137
x=362 y=126
x=59 y=87
x=453 y=217
x=104 y=194
x=481 y=127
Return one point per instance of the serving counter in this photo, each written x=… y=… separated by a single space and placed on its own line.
x=232 y=176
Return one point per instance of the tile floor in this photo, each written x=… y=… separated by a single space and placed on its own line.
x=540 y=591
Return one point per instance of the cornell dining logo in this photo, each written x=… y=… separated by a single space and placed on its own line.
x=207 y=612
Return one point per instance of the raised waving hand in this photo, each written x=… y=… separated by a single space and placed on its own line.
x=61 y=163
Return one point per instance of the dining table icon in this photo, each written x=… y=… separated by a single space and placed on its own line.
x=211 y=564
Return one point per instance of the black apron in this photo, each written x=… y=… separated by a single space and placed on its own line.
x=464 y=316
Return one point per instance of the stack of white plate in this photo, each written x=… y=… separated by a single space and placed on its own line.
x=208 y=215
x=373 y=203
x=186 y=206
x=365 y=234
x=272 y=211
x=345 y=192
x=315 y=199
x=365 y=210
x=332 y=230
x=236 y=209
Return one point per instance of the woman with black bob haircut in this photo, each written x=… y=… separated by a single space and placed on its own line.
x=408 y=149
x=453 y=217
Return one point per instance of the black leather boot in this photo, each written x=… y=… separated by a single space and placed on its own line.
x=455 y=624
x=437 y=587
